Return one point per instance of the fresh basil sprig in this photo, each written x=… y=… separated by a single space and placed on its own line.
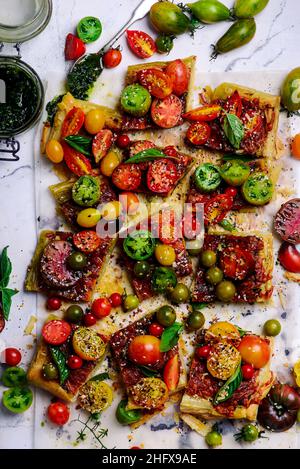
x=170 y=337
x=148 y=155
x=61 y=363
x=245 y=158
x=148 y=371
x=80 y=143
x=6 y=293
x=227 y=390
x=100 y=377
x=234 y=129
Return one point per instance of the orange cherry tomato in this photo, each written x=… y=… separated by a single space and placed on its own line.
x=296 y=146
x=130 y=202
x=73 y=122
x=203 y=113
x=198 y=133
x=171 y=373
x=158 y=83
x=76 y=161
x=112 y=58
x=144 y=350
x=179 y=74
x=255 y=351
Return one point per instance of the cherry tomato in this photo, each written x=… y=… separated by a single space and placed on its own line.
x=56 y=332
x=130 y=202
x=248 y=371
x=236 y=263
x=158 y=83
x=296 y=146
x=217 y=208
x=76 y=161
x=156 y=329
x=109 y=163
x=165 y=254
x=141 y=44
x=54 y=151
x=115 y=300
x=86 y=241
x=75 y=362
x=144 y=350
x=254 y=351
x=198 y=133
x=58 y=413
x=161 y=176
x=74 y=47
x=73 y=122
x=171 y=373
x=101 y=144
x=89 y=319
x=166 y=112
x=234 y=104
x=231 y=191
x=203 y=352
x=94 y=121
x=112 y=58
x=204 y=113
x=171 y=151
x=123 y=141
x=289 y=257
x=135 y=447
x=101 y=307
x=127 y=177
x=12 y=356
x=88 y=217
x=167 y=230
x=179 y=74
x=53 y=303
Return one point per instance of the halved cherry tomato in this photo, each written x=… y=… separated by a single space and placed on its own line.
x=130 y=202
x=289 y=257
x=161 y=176
x=253 y=123
x=157 y=82
x=127 y=177
x=74 y=47
x=156 y=329
x=203 y=113
x=236 y=263
x=170 y=150
x=167 y=231
x=101 y=307
x=255 y=350
x=171 y=373
x=141 y=44
x=234 y=105
x=58 y=413
x=101 y=144
x=166 y=113
x=179 y=74
x=56 y=332
x=144 y=350
x=216 y=209
x=76 y=161
x=112 y=58
x=296 y=146
x=198 y=133
x=73 y=122
x=86 y=241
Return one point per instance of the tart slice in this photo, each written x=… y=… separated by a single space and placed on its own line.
x=217 y=388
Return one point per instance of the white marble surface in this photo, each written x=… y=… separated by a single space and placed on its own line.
x=275 y=47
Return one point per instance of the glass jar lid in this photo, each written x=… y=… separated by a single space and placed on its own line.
x=21 y=20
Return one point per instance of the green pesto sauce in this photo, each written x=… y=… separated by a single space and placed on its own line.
x=83 y=76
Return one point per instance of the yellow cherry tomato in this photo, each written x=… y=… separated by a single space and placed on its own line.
x=54 y=151
x=111 y=210
x=88 y=217
x=296 y=371
x=94 y=121
x=165 y=254
x=109 y=163
x=296 y=147
x=223 y=330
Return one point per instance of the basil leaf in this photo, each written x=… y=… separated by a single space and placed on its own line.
x=147 y=155
x=234 y=129
x=245 y=158
x=227 y=390
x=100 y=377
x=227 y=225
x=6 y=300
x=147 y=371
x=170 y=337
x=61 y=363
x=5 y=268
x=198 y=306
x=80 y=143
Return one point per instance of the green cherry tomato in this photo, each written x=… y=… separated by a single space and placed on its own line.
x=168 y=18
x=194 y=247
x=180 y=294
x=248 y=8
x=195 y=321
x=166 y=316
x=208 y=258
x=86 y=191
x=290 y=91
x=209 y=11
x=239 y=34
x=50 y=371
x=139 y=245
x=248 y=433
x=214 y=275
x=17 y=400
x=207 y=177
x=258 y=189
x=163 y=279
x=13 y=376
x=77 y=260
x=130 y=302
x=164 y=44
x=136 y=100
x=141 y=269
x=127 y=417
x=272 y=327
x=89 y=29
x=213 y=439
x=298 y=416
x=235 y=172
x=74 y=314
x=225 y=290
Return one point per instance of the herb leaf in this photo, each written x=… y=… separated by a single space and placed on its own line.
x=52 y=108
x=170 y=337
x=61 y=363
x=80 y=143
x=227 y=225
x=6 y=296
x=100 y=377
x=245 y=158
x=5 y=268
x=147 y=371
x=147 y=155
x=227 y=390
x=234 y=129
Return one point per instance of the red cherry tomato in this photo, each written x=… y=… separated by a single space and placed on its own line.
x=234 y=105
x=101 y=307
x=248 y=371
x=74 y=362
x=86 y=241
x=141 y=44
x=171 y=373
x=236 y=263
x=254 y=351
x=123 y=141
x=112 y=58
x=58 y=413
x=73 y=122
x=161 y=176
x=56 y=332
x=102 y=143
x=216 y=208
x=168 y=230
x=166 y=113
x=203 y=352
x=74 y=47
x=53 y=303
x=170 y=151
x=127 y=177
x=156 y=329
x=289 y=257
x=115 y=300
x=12 y=356
x=179 y=74
x=198 y=133
x=231 y=191
x=158 y=83
x=204 y=113
x=144 y=350
x=135 y=447
x=89 y=319
x=76 y=161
